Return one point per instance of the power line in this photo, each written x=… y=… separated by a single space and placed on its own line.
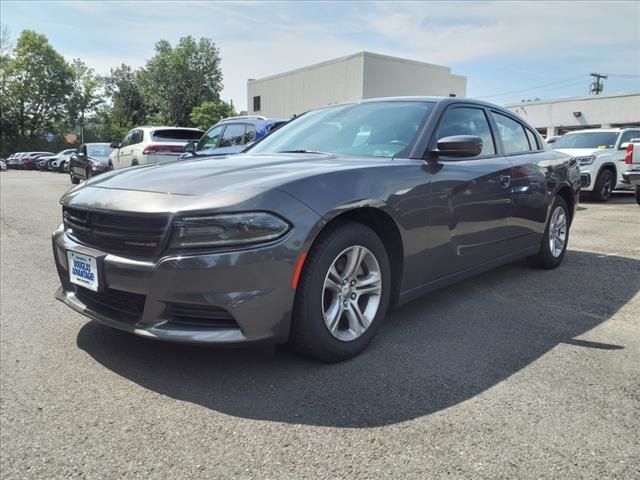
x=622 y=75
x=561 y=83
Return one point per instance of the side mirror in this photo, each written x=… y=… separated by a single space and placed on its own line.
x=80 y=154
x=623 y=146
x=115 y=145
x=458 y=146
x=190 y=148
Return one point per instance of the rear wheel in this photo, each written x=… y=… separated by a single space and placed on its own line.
x=75 y=180
x=555 y=239
x=343 y=294
x=604 y=186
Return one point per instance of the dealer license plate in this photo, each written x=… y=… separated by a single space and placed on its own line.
x=83 y=270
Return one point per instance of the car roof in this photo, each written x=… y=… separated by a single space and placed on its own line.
x=431 y=99
x=152 y=127
x=251 y=119
x=595 y=130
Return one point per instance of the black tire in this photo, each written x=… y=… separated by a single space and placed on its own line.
x=605 y=183
x=110 y=166
x=309 y=335
x=544 y=258
x=75 y=180
x=638 y=194
x=134 y=163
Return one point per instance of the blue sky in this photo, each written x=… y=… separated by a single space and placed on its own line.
x=534 y=49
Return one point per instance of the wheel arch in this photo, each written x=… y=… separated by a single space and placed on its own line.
x=383 y=224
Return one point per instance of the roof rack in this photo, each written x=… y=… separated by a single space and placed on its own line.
x=259 y=117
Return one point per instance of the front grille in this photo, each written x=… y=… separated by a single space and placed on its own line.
x=200 y=315
x=124 y=305
x=117 y=233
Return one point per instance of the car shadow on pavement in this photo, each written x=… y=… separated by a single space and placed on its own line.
x=433 y=353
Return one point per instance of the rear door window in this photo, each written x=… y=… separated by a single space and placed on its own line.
x=468 y=121
x=249 y=134
x=533 y=142
x=176 y=135
x=233 y=135
x=514 y=138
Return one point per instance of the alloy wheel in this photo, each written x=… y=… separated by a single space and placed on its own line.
x=352 y=292
x=557 y=231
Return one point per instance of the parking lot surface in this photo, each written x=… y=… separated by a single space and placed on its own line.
x=517 y=373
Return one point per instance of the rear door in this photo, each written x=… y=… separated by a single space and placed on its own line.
x=471 y=197
x=531 y=166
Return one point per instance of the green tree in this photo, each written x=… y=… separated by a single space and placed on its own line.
x=210 y=113
x=178 y=79
x=86 y=94
x=126 y=102
x=37 y=80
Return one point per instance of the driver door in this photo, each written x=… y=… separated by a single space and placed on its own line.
x=471 y=197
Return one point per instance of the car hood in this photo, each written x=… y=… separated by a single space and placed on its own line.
x=583 y=152
x=205 y=183
x=199 y=176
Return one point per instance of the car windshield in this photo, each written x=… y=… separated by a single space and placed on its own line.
x=99 y=151
x=376 y=129
x=587 y=140
x=176 y=135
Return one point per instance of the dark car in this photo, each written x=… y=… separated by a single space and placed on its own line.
x=29 y=161
x=231 y=136
x=90 y=159
x=314 y=232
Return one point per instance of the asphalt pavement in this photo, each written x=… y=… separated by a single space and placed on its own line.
x=517 y=373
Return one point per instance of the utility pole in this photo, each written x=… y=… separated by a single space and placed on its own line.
x=597 y=86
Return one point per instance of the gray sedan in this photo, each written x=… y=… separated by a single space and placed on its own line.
x=316 y=231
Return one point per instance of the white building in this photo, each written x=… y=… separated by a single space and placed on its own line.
x=555 y=117
x=355 y=77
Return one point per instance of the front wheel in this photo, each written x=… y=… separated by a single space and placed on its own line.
x=343 y=294
x=555 y=239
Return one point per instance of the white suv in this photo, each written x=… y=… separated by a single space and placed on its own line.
x=601 y=155
x=144 y=145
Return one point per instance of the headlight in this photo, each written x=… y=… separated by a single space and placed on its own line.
x=222 y=230
x=586 y=160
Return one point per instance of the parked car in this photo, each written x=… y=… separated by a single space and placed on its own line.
x=601 y=155
x=312 y=233
x=14 y=160
x=29 y=161
x=57 y=161
x=632 y=158
x=90 y=159
x=42 y=162
x=145 y=145
x=3 y=165
x=232 y=135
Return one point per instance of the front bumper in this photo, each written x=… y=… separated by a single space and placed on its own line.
x=250 y=287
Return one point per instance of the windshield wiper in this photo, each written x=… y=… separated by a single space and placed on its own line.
x=303 y=151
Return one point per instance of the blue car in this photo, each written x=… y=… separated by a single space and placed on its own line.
x=231 y=135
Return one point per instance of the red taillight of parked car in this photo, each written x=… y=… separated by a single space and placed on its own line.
x=163 y=149
x=629 y=154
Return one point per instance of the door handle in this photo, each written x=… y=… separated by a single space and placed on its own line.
x=505 y=181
